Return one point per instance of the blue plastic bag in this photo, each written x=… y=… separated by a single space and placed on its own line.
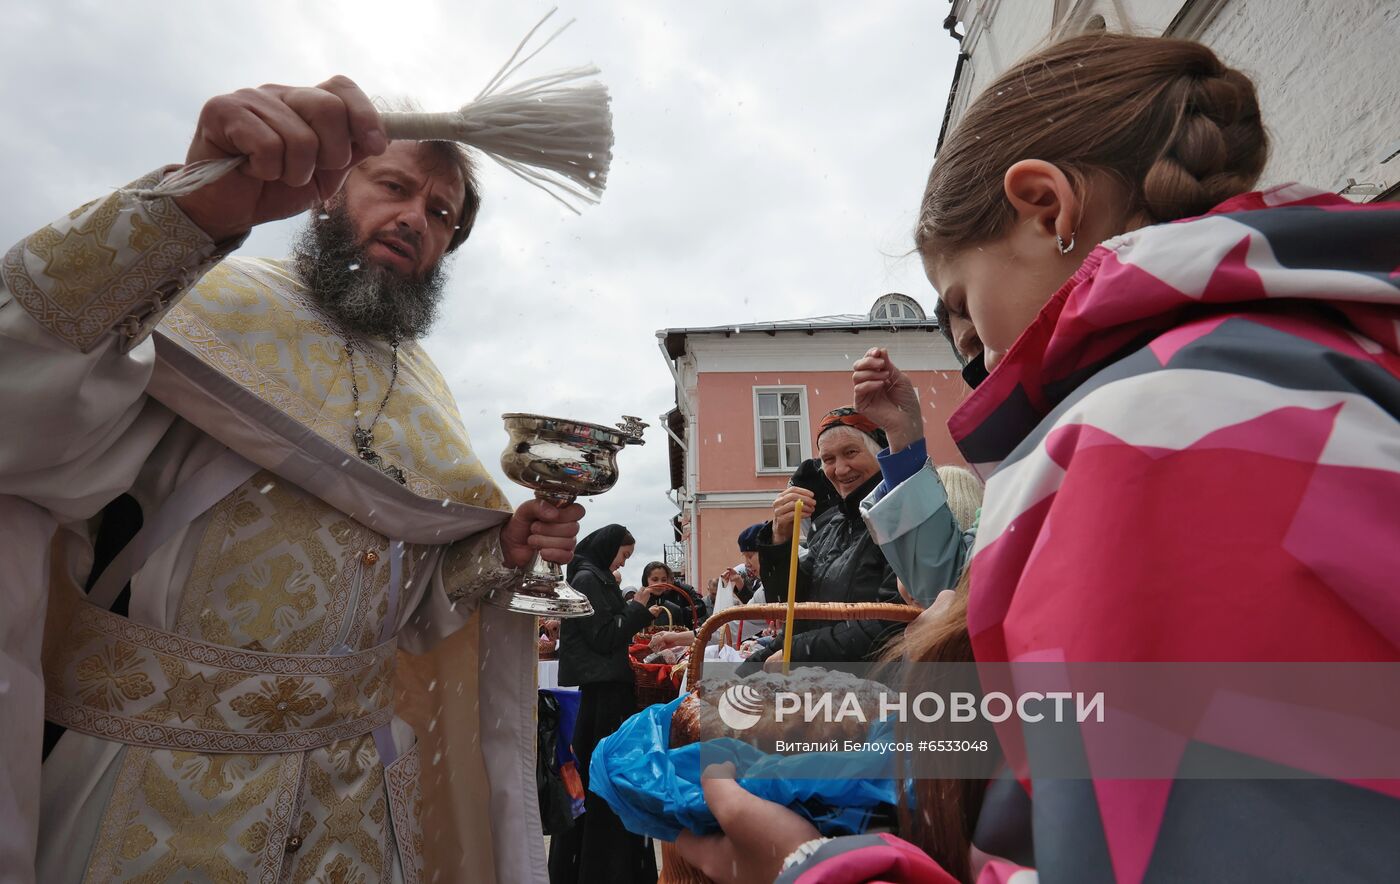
x=655 y=789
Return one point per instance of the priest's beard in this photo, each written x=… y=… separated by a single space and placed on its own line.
x=364 y=298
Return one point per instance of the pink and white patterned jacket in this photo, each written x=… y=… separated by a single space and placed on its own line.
x=1194 y=455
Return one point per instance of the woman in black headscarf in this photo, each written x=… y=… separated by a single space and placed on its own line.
x=593 y=655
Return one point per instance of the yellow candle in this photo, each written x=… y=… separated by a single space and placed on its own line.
x=792 y=587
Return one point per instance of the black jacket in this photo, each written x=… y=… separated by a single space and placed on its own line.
x=842 y=564
x=593 y=649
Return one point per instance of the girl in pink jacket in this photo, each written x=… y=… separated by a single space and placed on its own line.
x=1189 y=430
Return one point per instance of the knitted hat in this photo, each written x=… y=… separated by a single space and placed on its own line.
x=748 y=538
x=964 y=494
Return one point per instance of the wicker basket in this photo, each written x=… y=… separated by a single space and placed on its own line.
x=805 y=611
x=654 y=682
x=670 y=625
x=674 y=869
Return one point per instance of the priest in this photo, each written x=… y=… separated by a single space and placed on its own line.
x=233 y=493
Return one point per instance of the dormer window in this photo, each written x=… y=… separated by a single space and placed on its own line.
x=895 y=307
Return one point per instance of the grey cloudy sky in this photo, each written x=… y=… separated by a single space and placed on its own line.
x=768 y=165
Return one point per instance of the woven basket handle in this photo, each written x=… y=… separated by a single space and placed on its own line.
x=672 y=588
x=805 y=611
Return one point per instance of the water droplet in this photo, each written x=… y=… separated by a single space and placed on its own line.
x=719 y=437
x=266 y=488
x=323 y=217
x=437 y=757
x=354 y=265
x=358 y=412
x=446 y=501
x=592 y=174
x=456 y=227
x=432 y=684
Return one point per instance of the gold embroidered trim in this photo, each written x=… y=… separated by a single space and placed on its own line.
x=89 y=721
x=205 y=654
x=122 y=681
x=401 y=779
x=115 y=262
x=104 y=863
x=284 y=807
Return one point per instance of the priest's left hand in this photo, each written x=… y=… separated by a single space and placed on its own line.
x=540 y=526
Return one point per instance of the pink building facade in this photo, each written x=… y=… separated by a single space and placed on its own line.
x=747 y=401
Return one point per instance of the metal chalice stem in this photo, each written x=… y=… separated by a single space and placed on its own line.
x=561 y=460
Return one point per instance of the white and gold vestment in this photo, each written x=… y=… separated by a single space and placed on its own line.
x=236 y=725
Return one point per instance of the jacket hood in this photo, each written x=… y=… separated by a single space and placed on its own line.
x=1290 y=245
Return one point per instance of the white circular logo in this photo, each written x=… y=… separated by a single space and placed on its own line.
x=740 y=706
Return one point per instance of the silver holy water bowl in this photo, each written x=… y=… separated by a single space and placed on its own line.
x=561 y=460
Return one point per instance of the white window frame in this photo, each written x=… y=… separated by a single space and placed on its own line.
x=906 y=312
x=804 y=426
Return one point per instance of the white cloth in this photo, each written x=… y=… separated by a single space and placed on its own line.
x=549 y=676
x=738 y=630
x=724 y=654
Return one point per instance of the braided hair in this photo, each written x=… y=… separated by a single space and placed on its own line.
x=1216 y=148
x=1164 y=117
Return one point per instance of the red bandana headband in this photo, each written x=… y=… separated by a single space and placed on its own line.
x=846 y=416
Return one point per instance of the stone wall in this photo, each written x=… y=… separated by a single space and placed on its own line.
x=1327 y=72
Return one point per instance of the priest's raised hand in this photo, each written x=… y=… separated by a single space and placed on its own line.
x=301 y=143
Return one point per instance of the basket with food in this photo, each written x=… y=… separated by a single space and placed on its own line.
x=649 y=770
x=666 y=592
x=657 y=680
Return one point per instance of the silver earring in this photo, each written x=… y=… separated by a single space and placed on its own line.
x=1060 y=244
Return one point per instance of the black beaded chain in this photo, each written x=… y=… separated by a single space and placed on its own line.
x=363 y=437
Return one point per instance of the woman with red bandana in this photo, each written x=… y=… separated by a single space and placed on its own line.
x=843 y=563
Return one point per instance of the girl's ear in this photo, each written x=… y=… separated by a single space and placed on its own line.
x=1044 y=202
